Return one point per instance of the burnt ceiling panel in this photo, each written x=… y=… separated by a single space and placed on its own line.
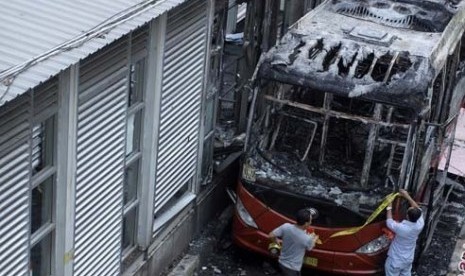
x=351 y=69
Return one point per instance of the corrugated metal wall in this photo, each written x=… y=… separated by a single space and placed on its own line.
x=46 y=99
x=15 y=135
x=17 y=154
x=183 y=69
x=100 y=159
x=139 y=42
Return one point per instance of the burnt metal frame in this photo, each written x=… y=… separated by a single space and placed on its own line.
x=312 y=136
x=375 y=121
x=442 y=121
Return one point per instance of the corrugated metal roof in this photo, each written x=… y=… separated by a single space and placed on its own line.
x=40 y=38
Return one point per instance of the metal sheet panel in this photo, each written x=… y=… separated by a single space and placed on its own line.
x=38 y=39
x=14 y=186
x=139 y=42
x=183 y=70
x=46 y=98
x=102 y=104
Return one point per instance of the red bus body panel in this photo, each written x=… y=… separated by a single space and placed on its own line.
x=336 y=255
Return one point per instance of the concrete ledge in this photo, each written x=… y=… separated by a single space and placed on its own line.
x=186 y=267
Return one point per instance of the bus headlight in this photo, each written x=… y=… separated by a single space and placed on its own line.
x=375 y=245
x=244 y=214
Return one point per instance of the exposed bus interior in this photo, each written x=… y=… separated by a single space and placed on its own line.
x=347 y=151
x=347 y=112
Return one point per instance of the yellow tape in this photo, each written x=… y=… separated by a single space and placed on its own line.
x=386 y=201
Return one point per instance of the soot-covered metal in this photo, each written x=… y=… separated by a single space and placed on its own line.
x=294 y=150
x=422 y=16
x=343 y=96
x=385 y=51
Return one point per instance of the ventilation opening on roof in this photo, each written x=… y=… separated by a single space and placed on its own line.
x=401 y=65
x=381 y=67
x=395 y=14
x=345 y=68
x=389 y=65
x=364 y=66
x=296 y=52
x=331 y=56
x=315 y=50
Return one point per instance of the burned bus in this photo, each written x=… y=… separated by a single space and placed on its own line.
x=358 y=99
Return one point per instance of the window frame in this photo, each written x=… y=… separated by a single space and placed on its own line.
x=42 y=176
x=136 y=109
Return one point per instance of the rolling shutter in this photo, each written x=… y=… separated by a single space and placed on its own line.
x=45 y=104
x=183 y=69
x=100 y=159
x=46 y=99
x=14 y=186
x=139 y=42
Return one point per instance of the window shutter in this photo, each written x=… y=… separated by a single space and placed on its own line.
x=100 y=160
x=183 y=72
x=14 y=186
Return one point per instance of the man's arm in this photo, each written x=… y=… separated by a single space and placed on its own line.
x=273 y=237
x=390 y=223
x=312 y=242
x=389 y=211
x=410 y=200
x=275 y=234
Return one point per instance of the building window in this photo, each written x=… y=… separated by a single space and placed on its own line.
x=210 y=99
x=130 y=182
x=137 y=80
x=42 y=145
x=207 y=160
x=41 y=261
x=43 y=197
x=174 y=199
x=41 y=209
x=133 y=156
x=207 y=156
x=129 y=229
x=133 y=131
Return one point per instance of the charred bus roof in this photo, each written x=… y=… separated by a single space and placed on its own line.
x=385 y=51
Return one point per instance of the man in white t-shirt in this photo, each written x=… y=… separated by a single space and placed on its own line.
x=402 y=248
x=295 y=241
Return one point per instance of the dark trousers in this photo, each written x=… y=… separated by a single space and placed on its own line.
x=288 y=272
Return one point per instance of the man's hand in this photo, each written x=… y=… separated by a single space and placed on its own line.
x=317 y=239
x=406 y=195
